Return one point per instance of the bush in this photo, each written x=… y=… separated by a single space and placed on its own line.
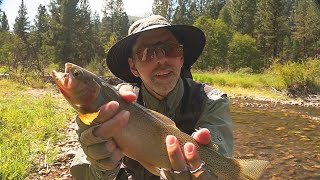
x=299 y=76
x=243 y=53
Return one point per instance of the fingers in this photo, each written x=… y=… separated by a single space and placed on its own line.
x=112 y=126
x=126 y=92
x=196 y=165
x=107 y=111
x=187 y=164
x=192 y=156
x=176 y=157
x=202 y=136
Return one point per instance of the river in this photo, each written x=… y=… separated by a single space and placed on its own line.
x=286 y=135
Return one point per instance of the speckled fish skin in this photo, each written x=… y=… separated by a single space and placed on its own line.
x=143 y=138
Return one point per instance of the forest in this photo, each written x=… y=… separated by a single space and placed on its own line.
x=251 y=36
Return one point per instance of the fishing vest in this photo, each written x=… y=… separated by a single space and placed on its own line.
x=193 y=102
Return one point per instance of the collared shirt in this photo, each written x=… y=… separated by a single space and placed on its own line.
x=215 y=117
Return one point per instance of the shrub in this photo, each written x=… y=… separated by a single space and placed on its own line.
x=299 y=76
x=243 y=53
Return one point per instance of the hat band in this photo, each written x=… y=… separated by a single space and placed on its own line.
x=152 y=26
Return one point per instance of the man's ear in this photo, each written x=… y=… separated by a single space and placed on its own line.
x=133 y=68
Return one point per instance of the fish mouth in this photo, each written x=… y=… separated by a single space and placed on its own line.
x=62 y=78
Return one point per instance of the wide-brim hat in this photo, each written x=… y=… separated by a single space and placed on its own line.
x=192 y=38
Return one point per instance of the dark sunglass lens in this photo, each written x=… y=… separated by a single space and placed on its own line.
x=174 y=50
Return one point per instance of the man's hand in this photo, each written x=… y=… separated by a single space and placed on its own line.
x=188 y=160
x=97 y=141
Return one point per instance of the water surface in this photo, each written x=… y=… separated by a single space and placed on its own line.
x=286 y=135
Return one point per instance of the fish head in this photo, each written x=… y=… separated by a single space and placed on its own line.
x=79 y=86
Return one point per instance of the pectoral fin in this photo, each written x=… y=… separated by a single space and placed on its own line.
x=88 y=118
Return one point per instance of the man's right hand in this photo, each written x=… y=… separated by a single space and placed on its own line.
x=97 y=142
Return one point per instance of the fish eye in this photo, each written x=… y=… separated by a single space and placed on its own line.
x=77 y=73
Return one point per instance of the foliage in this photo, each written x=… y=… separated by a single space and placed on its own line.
x=307 y=29
x=271 y=26
x=299 y=75
x=164 y=8
x=4 y=24
x=243 y=53
x=242 y=15
x=218 y=36
x=26 y=124
x=22 y=25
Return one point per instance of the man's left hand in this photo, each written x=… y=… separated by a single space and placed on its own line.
x=188 y=160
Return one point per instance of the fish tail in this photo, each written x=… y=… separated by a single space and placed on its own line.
x=251 y=168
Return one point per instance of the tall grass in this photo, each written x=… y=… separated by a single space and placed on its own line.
x=26 y=124
x=243 y=80
x=244 y=84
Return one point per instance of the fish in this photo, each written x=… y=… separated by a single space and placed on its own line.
x=143 y=138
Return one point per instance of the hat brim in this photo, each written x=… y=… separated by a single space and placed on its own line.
x=192 y=38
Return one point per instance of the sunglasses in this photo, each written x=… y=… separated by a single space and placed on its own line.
x=151 y=52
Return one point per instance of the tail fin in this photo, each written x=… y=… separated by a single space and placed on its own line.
x=251 y=168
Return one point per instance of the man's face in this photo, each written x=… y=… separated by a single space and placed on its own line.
x=157 y=59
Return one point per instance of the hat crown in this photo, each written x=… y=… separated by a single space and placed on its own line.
x=147 y=23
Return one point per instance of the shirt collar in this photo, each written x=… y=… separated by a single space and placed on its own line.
x=171 y=102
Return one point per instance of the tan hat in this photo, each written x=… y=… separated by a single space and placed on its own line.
x=192 y=38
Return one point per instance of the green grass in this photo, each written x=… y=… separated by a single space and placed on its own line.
x=27 y=123
x=243 y=84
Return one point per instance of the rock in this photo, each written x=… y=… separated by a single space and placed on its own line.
x=288 y=157
x=43 y=172
x=71 y=153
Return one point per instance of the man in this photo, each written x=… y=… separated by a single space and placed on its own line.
x=157 y=58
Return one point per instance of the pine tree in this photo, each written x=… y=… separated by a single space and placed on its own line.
x=98 y=47
x=212 y=8
x=41 y=24
x=307 y=28
x=181 y=14
x=68 y=11
x=38 y=41
x=114 y=20
x=164 y=8
x=4 y=23
x=22 y=25
x=55 y=31
x=242 y=13
x=84 y=39
x=121 y=20
x=271 y=26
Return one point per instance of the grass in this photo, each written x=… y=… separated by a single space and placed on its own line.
x=27 y=123
x=243 y=84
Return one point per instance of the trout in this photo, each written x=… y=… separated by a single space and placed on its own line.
x=143 y=138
